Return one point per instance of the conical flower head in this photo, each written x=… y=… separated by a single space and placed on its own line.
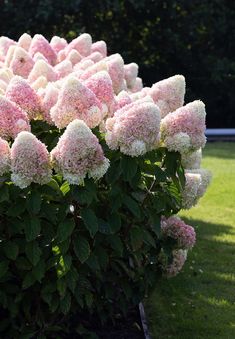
x=196 y=184
x=12 y=119
x=99 y=46
x=101 y=85
x=168 y=94
x=63 y=69
x=138 y=85
x=82 y=44
x=76 y=101
x=29 y=161
x=130 y=74
x=5 y=44
x=74 y=57
x=20 y=92
x=21 y=63
x=40 y=44
x=42 y=68
x=115 y=65
x=58 y=43
x=49 y=100
x=184 y=129
x=25 y=41
x=92 y=69
x=78 y=154
x=4 y=157
x=134 y=128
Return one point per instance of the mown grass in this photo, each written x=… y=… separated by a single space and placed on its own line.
x=200 y=301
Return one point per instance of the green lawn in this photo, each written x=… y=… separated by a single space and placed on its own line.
x=200 y=301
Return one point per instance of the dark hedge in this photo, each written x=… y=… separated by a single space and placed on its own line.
x=195 y=38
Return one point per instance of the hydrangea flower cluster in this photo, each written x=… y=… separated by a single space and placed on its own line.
x=78 y=87
x=29 y=161
x=79 y=153
x=175 y=228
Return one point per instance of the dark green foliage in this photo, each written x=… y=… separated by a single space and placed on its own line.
x=193 y=38
x=69 y=250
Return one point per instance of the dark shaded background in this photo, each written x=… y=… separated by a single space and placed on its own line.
x=190 y=37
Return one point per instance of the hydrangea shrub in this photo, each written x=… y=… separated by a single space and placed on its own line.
x=94 y=169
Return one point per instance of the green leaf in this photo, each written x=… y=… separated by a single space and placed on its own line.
x=65 y=229
x=11 y=250
x=32 y=228
x=81 y=248
x=132 y=205
x=90 y=221
x=28 y=281
x=39 y=270
x=33 y=252
x=129 y=167
x=17 y=208
x=104 y=227
x=155 y=223
x=113 y=172
x=65 y=188
x=34 y=202
x=114 y=222
x=116 y=243
x=3 y=267
x=65 y=303
x=148 y=238
x=61 y=286
x=136 y=238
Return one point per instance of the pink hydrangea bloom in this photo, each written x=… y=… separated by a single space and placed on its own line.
x=176 y=228
x=4 y=157
x=63 y=69
x=20 y=92
x=83 y=65
x=95 y=56
x=39 y=56
x=192 y=160
x=9 y=55
x=5 y=43
x=197 y=182
x=168 y=94
x=137 y=86
x=25 y=41
x=58 y=43
x=183 y=130
x=78 y=154
x=12 y=119
x=115 y=65
x=134 y=128
x=6 y=74
x=48 y=101
x=101 y=85
x=82 y=44
x=76 y=101
x=42 y=68
x=40 y=82
x=122 y=99
x=21 y=63
x=40 y=44
x=92 y=69
x=74 y=57
x=179 y=258
x=3 y=86
x=130 y=74
x=30 y=161
x=99 y=46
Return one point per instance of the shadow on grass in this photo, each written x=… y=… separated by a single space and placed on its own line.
x=200 y=301
x=224 y=150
